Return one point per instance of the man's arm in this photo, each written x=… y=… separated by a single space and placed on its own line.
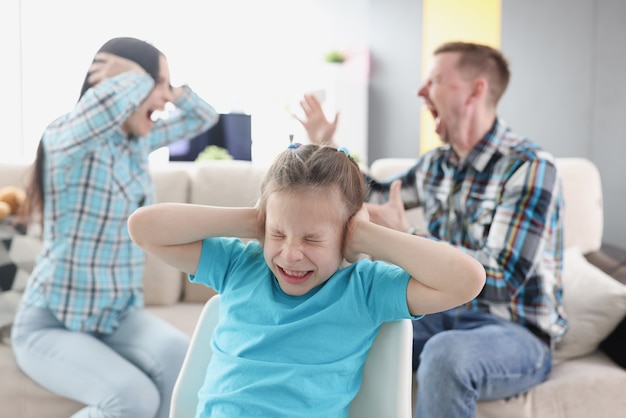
x=319 y=129
x=442 y=276
x=378 y=192
x=392 y=213
x=528 y=212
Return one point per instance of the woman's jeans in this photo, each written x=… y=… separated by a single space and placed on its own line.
x=130 y=373
x=464 y=356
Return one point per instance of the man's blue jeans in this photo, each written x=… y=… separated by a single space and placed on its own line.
x=130 y=373
x=464 y=356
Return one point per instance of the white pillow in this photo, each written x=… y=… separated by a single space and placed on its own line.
x=594 y=302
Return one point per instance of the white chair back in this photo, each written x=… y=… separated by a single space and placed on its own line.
x=385 y=389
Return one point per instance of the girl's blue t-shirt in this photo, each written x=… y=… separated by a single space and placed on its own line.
x=277 y=355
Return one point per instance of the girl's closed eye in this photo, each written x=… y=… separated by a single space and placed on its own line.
x=313 y=240
x=276 y=235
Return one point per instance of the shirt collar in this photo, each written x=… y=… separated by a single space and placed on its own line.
x=483 y=152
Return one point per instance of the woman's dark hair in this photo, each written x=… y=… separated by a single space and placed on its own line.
x=34 y=189
x=144 y=54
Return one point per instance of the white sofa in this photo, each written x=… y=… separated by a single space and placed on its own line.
x=584 y=382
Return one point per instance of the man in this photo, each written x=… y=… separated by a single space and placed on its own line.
x=496 y=196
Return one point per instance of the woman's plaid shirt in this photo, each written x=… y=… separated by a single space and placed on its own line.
x=503 y=205
x=89 y=272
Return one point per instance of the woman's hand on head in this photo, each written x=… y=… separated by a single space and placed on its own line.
x=177 y=92
x=106 y=65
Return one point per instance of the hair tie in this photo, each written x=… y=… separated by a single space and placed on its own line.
x=344 y=150
x=294 y=145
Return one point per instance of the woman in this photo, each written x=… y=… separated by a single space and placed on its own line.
x=80 y=330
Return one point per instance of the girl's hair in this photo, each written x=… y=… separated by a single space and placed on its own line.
x=304 y=167
x=144 y=54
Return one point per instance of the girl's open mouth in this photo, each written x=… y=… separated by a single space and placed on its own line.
x=295 y=276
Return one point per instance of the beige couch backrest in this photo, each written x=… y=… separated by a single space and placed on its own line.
x=237 y=183
x=14 y=174
x=226 y=183
x=582 y=191
x=584 y=212
x=163 y=284
x=221 y=183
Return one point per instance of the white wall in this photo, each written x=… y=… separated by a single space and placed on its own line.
x=394 y=110
x=567 y=89
x=243 y=55
x=11 y=104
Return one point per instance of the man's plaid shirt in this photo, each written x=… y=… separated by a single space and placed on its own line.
x=503 y=205
x=89 y=273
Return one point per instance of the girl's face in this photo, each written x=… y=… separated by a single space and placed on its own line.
x=303 y=238
x=139 y=123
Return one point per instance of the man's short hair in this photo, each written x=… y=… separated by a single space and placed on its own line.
x=481 y=60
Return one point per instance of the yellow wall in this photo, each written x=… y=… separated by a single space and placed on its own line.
x=454 y=20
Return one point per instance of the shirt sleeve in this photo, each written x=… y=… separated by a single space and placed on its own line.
x=384 y=289
x=378 y=191
x=99 y=114
x=224 y=261
x=191 y=117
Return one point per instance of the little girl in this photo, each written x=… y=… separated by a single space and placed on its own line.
x=296 y=323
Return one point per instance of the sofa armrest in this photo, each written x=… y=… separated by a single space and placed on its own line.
x=612 y=260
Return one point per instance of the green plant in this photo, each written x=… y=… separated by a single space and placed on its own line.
x=335 y=56
x=356 y=157
x=214 y=152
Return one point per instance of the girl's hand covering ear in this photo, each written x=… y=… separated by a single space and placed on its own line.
x=351 y=252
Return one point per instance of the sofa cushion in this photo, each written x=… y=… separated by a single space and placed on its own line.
x=196 y=292
x=18 y=251
x=24 y=398
x=589 y=386
x=226 y=183
x=163 y=283
x=594 y=302
x=183 y=316
x=222 y=183
x=584 y=213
